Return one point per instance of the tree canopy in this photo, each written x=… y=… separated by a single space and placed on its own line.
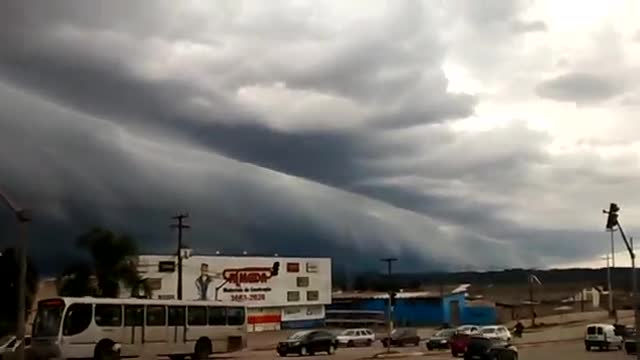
x=111 y=265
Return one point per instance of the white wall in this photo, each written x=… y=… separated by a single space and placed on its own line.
x=295 y=313
x=255 y=286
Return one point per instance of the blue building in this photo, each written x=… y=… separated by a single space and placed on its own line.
x=417 y=308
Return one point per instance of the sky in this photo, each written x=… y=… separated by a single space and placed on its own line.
x=453 y=134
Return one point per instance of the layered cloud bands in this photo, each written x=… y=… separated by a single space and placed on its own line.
x=313 y=129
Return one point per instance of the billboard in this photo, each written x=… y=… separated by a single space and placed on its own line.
x=252 y=281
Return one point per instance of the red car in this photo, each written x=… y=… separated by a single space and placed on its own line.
x=458 y=344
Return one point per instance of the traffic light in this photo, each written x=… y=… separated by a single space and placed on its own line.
x=392 y=298
x=275 y=268
x=612 y=219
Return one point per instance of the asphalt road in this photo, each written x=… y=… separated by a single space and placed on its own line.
x=552 y=351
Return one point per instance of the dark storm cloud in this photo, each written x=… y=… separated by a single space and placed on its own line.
x=581 y=88
x=104 y=137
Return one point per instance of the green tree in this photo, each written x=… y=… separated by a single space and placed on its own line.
x=112 y=265
x=9 y=289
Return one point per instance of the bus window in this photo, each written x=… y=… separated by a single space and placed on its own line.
x=235 y=316
x=156 y=315
x=77 y=319
x=197 y=315
x=217 y=316
x=108 y=315
x=176 y=315
x=133 y=315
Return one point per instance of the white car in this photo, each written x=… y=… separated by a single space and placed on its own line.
x=9 y=345
x=468 y=329
x=355 y=337
x=496 y=332
x=602 y=336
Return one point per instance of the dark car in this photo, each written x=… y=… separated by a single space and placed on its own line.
x=629 y=337
x=402 y=337
x=482 y=348
x=440 y=340
x=458 y=343
x=308 y=343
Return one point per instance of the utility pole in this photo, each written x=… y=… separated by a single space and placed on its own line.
x=23 y=217
x=612 y=223
x=180 y=224
x=389 y=261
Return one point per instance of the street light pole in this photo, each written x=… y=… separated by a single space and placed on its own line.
x=610 y=292
x=389 y=261
x=612 y=308
x=180 y=224
x=23 y=217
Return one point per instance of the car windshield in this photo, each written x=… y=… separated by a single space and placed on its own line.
x=348 y=333
x=444 y=333
x=47 y=322
x=299 y=335
x=488 y=330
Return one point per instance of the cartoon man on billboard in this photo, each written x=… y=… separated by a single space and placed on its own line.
x=203 y=281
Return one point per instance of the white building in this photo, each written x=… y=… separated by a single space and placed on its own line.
x=280 y=292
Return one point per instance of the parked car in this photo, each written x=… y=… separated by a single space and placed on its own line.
x=440 y=340
x=458 y=343
x=496 y=332
x=355 y=337
x=602 y=336
x=630 y=346
x=308 y=343
x=629 y=338
x=468 y=329
x=483 y=348
x=402 y=337
x=9 y=345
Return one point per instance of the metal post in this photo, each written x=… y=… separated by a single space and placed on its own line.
x=607 y=257
x=634 y=295
x=612 y=305
x=22 y=280
x=180 y=225
x=532 y=307
x=389 y=261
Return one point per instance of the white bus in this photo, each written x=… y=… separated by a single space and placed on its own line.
x=73 y=328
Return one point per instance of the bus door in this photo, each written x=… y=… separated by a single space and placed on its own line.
x=133 y=332
x=176 y=325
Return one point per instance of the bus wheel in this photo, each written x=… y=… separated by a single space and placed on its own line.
x=106 y=350
x=202 y=350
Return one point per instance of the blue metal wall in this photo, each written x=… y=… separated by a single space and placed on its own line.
x=426 y=311
x=407 y=312
x=446 y=308
x=480 y=315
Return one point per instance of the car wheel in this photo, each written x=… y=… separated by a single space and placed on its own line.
x=350 y=343
x=454 y=354
x=331 y=350
x=587 y=347
x=369 y=342
x=429 y=347
x=282 y=354
x=304 y=351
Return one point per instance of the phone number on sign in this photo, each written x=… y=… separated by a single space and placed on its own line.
x=247 y=297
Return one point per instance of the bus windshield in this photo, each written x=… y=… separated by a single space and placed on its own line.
x=48 y=318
